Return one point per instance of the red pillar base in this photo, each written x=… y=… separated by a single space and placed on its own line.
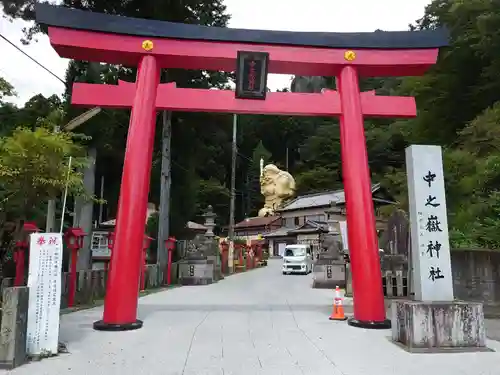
x=102 y=326
x=384 y=324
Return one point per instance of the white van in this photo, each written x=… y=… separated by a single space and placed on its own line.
x=297 y=259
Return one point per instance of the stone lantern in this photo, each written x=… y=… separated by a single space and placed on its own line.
x=201 y=265
x=210 y=216
x=212 y=250
x=329 y=268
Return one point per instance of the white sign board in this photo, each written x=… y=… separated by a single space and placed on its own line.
x=44 y=282
x=281 y=249
x=343 y=234
x=430 y=246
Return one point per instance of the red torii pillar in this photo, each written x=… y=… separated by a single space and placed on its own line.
x=120 y=312
x=73 y=34
x=359 y=207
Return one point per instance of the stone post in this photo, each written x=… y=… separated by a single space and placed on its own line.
x=329 y=267
x=196 y=268
x=435 y=321
x=14 y=327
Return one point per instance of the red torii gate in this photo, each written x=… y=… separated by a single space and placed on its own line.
x=152 y=45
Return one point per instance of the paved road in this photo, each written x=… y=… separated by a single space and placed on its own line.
x=255 y=323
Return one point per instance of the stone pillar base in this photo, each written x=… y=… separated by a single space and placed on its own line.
x=197 y=272
x=328 y=274
x=348 y=281
x=433 y=327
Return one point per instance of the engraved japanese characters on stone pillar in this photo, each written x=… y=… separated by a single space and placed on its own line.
x=431 y=259
x=434 y=322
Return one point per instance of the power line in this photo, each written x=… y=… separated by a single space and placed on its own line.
x=49 y=71
x=244 y=157
x=179 y=166
x=63 y=82
x=32 y=59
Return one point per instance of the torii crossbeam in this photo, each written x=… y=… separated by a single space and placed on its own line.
x=152 y=45
x=171 y=98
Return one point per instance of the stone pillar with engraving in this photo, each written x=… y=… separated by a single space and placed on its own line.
x=329 y=268
x=434 y=321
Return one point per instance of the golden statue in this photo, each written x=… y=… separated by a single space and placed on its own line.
x=276 y=186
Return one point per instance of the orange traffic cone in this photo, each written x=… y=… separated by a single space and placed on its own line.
x=338 y=308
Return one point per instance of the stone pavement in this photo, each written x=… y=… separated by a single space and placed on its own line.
x=259 y=322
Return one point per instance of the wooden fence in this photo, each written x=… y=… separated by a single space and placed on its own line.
x=91 y=285
x=395 y=283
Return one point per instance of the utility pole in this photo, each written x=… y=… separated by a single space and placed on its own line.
x=77 y=121
x=51 y=216
x=248 y=196
x=233 y=192
x=50 y=222
x=166 y=180
x=242 y=194
x=286 y=162
x=84 y=210
x=101 y=205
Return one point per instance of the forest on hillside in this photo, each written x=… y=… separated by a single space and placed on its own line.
x=458 y=108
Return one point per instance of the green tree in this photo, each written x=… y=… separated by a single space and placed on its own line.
x=459 y=109
x=8 y=111
x=33 y=169
x=109 y=130
x=320 y=167
x=6 y=90
x=211 y=192
x=317 y=180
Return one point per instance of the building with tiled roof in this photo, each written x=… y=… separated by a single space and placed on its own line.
x=304 y=219
x=254 y=228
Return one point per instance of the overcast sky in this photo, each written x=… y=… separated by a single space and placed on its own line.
x=313 y=15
